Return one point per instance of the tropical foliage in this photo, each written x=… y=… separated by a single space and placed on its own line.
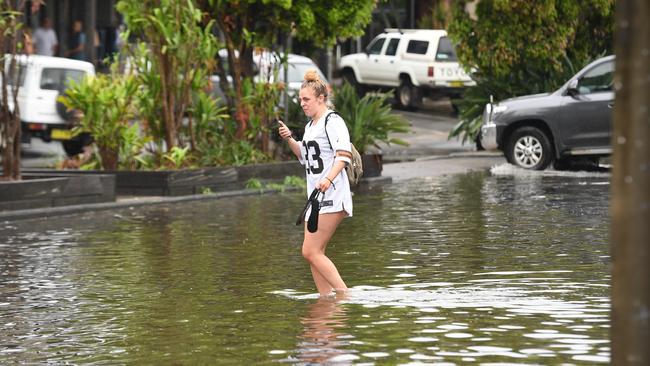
x=163 y=111
x=520 y=47
x=369 y=119
x=106 y=102
x=249 y=24
x=173 y=61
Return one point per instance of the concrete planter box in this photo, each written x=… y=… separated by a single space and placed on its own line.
x=372 y=165
x=175 y=182
x=271 y=171
x=50 y=189
x=190 y=181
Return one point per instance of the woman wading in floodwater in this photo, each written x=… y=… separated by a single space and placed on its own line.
x=324 y=153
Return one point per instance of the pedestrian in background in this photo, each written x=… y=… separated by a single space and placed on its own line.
x=45 y=41
x=324 y=151
x=76 y=42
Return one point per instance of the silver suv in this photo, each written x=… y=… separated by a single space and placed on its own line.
x=414 y=62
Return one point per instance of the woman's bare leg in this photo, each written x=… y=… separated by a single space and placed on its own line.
x=326 y=276
x=324 y=287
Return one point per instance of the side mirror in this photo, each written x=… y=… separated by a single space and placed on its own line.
x=572 y=89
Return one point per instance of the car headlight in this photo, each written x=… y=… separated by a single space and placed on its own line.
x=491 y=111
x=499 y=109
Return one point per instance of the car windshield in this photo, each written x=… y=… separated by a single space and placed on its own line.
x=375 y=47
x=297 y=72
x=446 y=51
x=57 y=79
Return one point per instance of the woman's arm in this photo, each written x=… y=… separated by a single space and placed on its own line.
x=294 y=146
x=337 y=167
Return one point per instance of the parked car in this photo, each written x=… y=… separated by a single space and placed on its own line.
x=297 y=67
x=573 y=122
x=267 y=63
x=414 y=62
x=42 y=80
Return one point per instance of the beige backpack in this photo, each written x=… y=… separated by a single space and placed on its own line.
x=354 y=170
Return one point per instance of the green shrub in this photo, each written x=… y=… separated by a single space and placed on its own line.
x=369 y=119
x=106 y=104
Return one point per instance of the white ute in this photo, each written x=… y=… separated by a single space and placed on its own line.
x=414 y=62
x=42 y=80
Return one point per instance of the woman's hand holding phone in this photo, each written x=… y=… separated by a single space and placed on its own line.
x=284 y=131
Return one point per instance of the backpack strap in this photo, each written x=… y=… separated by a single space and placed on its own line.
x=326 y=134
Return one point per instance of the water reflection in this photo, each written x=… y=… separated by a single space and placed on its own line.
x=324 y=334
x=460 y=269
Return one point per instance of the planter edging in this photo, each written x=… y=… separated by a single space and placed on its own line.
x=189 y=181
x=42 y=190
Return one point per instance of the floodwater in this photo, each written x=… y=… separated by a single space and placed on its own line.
x=501 y=268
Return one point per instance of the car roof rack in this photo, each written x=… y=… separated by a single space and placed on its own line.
x=400 y=30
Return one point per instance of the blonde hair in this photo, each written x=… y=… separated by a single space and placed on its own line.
x=313 y=81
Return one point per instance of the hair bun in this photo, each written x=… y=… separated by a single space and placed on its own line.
x=312 y=75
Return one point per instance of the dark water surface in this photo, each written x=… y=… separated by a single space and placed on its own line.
x=465 y=269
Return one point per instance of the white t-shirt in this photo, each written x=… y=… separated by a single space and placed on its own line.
x=44 y=41
x=317 y=156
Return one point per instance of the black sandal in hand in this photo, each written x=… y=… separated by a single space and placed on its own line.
x=312 y=222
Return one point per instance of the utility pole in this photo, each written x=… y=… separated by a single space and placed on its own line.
x=630 y=204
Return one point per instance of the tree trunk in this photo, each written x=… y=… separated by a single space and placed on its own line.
x=241 y=66
x=110 y=158
x=11 y=143
x=630 y=205
x=10 y=128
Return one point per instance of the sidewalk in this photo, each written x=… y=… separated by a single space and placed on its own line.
x=432 y=166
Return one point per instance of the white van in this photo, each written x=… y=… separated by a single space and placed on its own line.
x=414 y=62
x=42 y=80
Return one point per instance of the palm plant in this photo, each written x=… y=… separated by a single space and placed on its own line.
x=369 y=119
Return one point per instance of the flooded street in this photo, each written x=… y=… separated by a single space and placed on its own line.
x=478 y=268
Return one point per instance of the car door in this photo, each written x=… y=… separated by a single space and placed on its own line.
x=586 y=115
x=386 y=66
x=371 y=69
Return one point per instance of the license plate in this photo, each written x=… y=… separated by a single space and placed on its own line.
x=61 y=134
x=455 y=84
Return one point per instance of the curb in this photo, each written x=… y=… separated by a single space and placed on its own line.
x=471 y=154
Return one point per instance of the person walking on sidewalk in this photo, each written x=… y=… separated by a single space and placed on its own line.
x=324 y=151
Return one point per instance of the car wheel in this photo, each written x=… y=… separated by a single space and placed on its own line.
x=530 y=148
x=407 y=94
x=348 y=75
